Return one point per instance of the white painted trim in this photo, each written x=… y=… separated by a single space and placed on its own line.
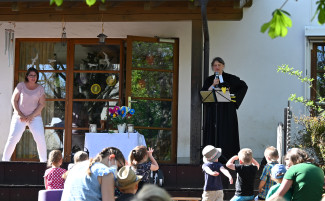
x=314 y=31
x=313 y=34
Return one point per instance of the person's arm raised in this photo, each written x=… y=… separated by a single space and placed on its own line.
x=230 y=164
x=154 y=165
x=256 y=163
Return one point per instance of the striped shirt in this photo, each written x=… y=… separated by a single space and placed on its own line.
x=266 y=176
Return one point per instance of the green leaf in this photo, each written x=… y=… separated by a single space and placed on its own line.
x=284 y=32
x=90 y=2
x=285 y=12
x=57 y=2
x=265 y=26
x=103 y=1
x=321 y=16
x=286 y=20
x=277 y=26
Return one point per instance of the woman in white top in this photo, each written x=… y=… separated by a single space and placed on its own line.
x=28 y=100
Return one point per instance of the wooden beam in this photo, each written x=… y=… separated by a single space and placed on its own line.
x=196 y=84
x=120 y=11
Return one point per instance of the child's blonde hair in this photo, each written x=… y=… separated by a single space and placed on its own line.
x=137 y=155
x=54 y=157
x=245 y=155
x=272 y=153
x=80 y=156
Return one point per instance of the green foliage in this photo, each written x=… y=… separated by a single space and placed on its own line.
x=57 y=2
x=88 y=2
x=312 y=105
x=278 y=25
x=313 y=136
x=320 y=11
x=297 y=73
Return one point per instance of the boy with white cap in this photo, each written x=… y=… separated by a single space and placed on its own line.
x=277 y=174
x=127 y=183
x=213 y=189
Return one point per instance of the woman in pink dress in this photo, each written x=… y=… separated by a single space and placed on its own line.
x=28 y=100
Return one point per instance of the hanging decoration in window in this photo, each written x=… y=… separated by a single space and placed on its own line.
x=34 y=60
x=102 y=36
x=10 y=44
x=63 y=34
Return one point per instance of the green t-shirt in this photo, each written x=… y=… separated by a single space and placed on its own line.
x=273 y=189
x=308 y=181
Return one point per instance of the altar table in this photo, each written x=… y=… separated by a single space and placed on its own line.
x=96 y=142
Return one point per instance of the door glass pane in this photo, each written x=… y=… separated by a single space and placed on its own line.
x=97 y=57
x=87 y=112
x=78 y=140
x=320 y=57
x=54 y=114
x=152 y=113
x=26 y=147
x=53 y=83
x=54 y=139
x=42 y=55
x=96 y=86
x=152 y=55
x=320 y=85
x=160 y=141
x=152 y=84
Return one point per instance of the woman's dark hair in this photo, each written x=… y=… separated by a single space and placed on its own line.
x=218 y=59
x=107 y=152
x=296 y=156
x=31 y=69
x=137 y=155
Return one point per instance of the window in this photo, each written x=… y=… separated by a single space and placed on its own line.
x=318 y=71
x=83 y=79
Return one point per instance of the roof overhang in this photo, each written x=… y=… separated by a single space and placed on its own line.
x=120 y=10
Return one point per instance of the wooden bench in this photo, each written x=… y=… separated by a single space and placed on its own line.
x=186 y=198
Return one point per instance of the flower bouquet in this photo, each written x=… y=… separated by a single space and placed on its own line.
x=120 y=116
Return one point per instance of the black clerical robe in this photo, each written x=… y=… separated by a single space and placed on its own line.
x=220 y=126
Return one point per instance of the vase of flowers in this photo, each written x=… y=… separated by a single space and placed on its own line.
x=121 y=127
x=120 y=116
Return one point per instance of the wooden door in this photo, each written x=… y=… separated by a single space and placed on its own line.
x=152 y=90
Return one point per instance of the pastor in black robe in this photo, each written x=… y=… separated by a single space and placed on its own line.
x=220 y=126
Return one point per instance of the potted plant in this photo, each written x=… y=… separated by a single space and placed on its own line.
x=120 y=116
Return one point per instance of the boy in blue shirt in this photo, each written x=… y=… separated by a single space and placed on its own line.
x=213 y=190
x=271 y=155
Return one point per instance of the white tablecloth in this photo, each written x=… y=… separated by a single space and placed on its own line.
x=96 y=142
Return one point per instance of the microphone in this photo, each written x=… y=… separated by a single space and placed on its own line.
x=216 y=77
